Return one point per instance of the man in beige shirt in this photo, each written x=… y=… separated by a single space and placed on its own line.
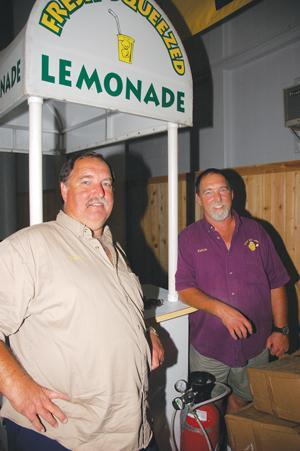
x=76 y=374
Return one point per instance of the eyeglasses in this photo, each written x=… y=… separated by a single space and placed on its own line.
x=210 y=193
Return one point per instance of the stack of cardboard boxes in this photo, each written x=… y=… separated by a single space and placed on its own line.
x=272 y=421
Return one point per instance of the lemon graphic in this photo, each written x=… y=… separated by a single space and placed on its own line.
x=252 y=246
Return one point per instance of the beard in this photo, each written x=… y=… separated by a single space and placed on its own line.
x=221 y=213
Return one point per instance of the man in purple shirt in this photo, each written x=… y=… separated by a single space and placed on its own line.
x=229 y=270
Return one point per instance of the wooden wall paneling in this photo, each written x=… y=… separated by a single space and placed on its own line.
x=182 y=200
x=155 y=230
x=149 y=231
x=297 y=220
x=153 y=216
x=278 y=202
x=254 y=195
x=162 y=217
x=157 y=216
x=136 y=246
x=296 y=234
x=266 y=208
x=272 y=196
x=151 y=245
x=290 y=214
x=292 y=236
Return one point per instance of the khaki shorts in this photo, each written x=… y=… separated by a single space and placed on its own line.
x=236 y=378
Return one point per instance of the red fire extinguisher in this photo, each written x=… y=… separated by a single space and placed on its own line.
x=200 y=418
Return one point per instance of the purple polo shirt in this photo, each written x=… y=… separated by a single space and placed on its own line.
x=241 y=277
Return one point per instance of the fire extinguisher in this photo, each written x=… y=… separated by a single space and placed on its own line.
x=200 y=418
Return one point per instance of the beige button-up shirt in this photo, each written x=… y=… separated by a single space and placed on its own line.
x=74 y=318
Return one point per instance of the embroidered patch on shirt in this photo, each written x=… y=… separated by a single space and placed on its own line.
x=75 y=258
x=204 y=249
x=252 y=244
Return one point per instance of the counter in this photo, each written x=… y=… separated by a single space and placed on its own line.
x=172 y=326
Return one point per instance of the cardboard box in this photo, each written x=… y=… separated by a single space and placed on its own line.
x=275 y=387
x=250 y=430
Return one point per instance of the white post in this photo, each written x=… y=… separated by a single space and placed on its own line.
x=172 y=208
x=35 y=160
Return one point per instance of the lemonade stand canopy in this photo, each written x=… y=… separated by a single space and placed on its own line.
x=106 y=70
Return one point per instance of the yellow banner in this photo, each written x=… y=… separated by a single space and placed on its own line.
x=202 y=14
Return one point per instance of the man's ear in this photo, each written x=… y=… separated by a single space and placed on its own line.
x=63 y=191
x=198 y=200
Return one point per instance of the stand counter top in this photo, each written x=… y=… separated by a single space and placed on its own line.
x=159 y=307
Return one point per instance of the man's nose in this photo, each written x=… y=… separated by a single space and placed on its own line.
x=217 y=195
x=100 y=190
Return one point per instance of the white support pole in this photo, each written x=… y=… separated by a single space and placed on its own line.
x=35 y=160
x=172 y=208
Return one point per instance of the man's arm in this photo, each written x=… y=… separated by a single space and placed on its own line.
x=157 y=349
x=25 y=395
x=277 y=343
x=236 y=323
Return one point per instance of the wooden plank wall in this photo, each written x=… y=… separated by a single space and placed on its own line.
x=273 y=196
x=147 y=227
x=270 y=193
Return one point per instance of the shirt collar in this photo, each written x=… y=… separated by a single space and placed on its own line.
x=238 y=219
x=211 y=228
x=78 y=228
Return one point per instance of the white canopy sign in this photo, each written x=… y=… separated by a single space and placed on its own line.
x=120 y=55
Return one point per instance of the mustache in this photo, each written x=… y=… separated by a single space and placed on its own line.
x=97 y=200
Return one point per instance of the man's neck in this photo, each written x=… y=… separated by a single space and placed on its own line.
x=224 y=225
x=97 y=233
x=225 y=228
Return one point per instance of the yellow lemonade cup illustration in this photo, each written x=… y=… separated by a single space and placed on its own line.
x=125 y=48
x=125 y=42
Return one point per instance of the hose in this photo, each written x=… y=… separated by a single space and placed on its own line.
x=116 y=19
x=193 y=411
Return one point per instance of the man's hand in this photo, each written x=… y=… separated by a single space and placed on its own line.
x=278 y=344
x=35 y=402
x=157 y=350
x=236 y=323
x=26 y=396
